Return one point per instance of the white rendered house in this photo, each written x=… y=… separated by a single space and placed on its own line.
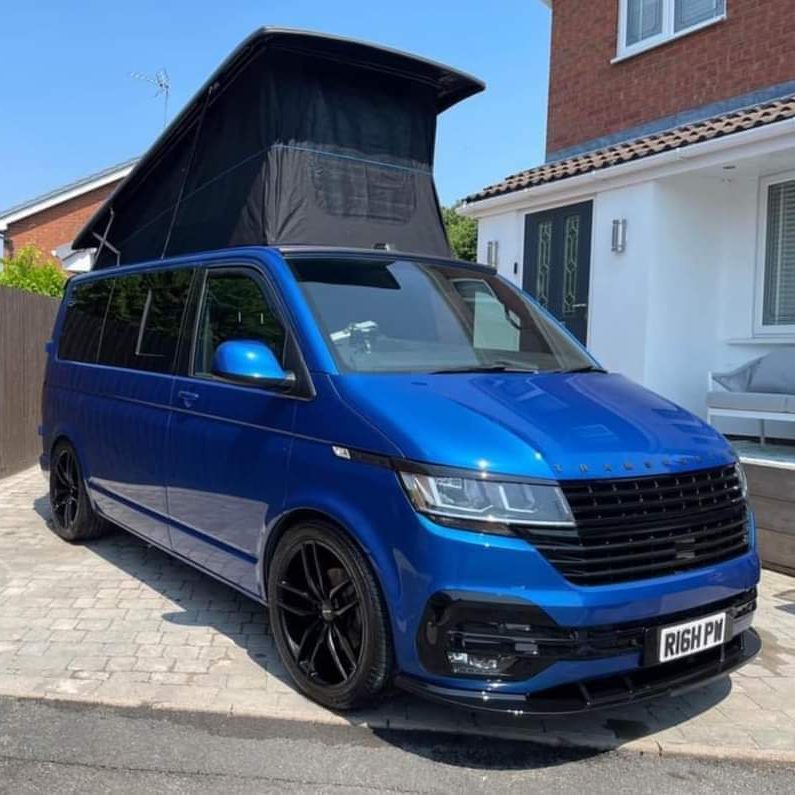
x=668 y=248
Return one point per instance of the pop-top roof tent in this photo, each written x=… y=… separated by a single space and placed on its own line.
x=297 y=138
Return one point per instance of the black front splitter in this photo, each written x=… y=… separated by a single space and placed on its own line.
x=632 y=687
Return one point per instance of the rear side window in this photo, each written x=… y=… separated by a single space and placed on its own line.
x=82 y=328
x=144 y=318
x=234 y=308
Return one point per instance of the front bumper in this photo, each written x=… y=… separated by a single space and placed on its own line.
x=549 y=668
x=529 y=641
x=629 y=687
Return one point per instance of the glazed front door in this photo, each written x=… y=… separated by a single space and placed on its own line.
x=557 y=263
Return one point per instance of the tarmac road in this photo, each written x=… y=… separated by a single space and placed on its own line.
x=69 y=747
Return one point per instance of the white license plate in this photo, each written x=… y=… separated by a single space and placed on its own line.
x=690 y=637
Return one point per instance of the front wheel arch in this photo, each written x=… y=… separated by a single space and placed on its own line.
x=387 y=580
x=294 y=518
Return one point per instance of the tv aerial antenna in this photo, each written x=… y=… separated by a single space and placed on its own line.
x=161 y=82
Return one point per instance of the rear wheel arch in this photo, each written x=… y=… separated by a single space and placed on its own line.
x=57 y=439
x=63 y=435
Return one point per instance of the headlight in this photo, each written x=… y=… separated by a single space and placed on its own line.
x=487 y=505
x=742 y=479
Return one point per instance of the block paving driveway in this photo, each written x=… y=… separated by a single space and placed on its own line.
x=120 y=623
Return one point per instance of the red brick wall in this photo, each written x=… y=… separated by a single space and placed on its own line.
x=589 y=97
x=56 y=225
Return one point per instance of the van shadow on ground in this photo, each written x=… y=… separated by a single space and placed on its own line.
x=499 y=742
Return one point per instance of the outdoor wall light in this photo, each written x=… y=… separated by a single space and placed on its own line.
x=492 y=253
x=619 y=238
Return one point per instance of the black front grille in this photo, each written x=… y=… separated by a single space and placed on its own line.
x=636 y=528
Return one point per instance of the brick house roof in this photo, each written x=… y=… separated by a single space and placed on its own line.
x=645 y=146
x=65 y=192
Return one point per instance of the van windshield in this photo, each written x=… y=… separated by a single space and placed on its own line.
x=404 y=315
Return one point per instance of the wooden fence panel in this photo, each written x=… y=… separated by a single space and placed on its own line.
x=26 y=322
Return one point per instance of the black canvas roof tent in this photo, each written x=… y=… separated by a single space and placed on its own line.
x=297 y=138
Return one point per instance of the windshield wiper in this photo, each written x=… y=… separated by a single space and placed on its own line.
x=485 y=368
x=588 y=368
x=499 y=367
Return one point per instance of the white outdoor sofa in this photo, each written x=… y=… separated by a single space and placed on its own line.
x=762 y=390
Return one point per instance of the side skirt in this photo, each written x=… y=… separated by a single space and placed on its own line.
x=183 y=559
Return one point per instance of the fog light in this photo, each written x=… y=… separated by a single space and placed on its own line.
x=465 y=663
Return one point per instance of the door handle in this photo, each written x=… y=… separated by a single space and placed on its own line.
x=579 y=306
x=187 y=397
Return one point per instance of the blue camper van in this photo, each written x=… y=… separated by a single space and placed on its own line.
x=420 y=474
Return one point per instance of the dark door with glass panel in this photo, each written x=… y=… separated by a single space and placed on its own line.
x=557 y=263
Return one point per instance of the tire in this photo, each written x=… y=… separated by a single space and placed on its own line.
x=328 y=617
x=73 y=518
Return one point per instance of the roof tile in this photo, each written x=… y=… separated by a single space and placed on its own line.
x=645 y=146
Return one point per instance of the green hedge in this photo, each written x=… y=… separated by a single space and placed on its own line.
x=33 y=271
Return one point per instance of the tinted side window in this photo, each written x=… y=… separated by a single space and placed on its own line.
x=82 y=326
x=234 y=308
x=142 y=327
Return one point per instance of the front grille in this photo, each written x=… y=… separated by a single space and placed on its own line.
x=636 y=528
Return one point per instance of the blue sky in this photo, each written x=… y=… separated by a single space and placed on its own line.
x=70 y=108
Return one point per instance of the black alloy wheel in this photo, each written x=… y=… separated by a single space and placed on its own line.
x=328 y=618
x=65 y=489
x=73 y=518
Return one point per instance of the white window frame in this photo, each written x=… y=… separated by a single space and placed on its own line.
x=760 y=329
x=669 y=32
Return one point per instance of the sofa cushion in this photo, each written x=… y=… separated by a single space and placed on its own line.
x=774 y=373
x=751 y=401
x=739 y=379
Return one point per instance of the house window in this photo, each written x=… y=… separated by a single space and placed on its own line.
x=777 y=311
x=644 y=24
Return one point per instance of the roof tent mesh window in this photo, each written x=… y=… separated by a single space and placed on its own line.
x=351 y=189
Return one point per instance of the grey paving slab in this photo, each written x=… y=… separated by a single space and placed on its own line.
x=117 y=622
